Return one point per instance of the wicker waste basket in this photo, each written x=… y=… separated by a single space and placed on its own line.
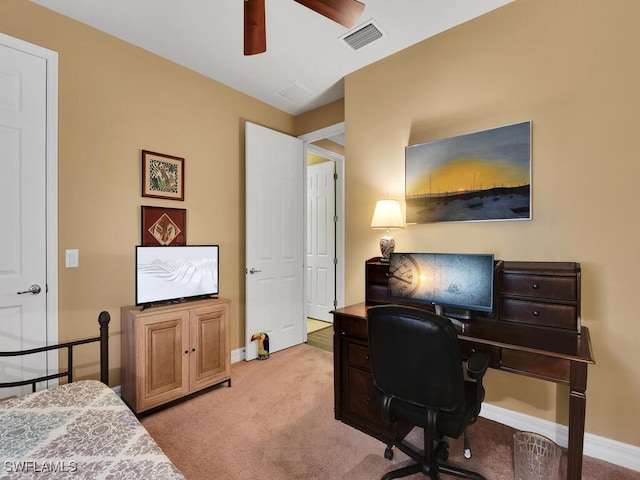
x=535 y=457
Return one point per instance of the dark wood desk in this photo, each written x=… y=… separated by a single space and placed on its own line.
x=559 y=355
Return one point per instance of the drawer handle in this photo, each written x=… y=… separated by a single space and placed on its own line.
x=366 y=357
x=366 y=399
x=186 y=352
x=536 y=313
x=535 y=286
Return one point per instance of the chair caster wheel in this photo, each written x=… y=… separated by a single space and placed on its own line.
x=388 y=453
x=466 y=447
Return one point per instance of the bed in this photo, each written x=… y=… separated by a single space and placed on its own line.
x=77 y=430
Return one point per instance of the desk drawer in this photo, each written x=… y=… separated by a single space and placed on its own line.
x=353 y=326
x=535 y=313
x=362 y=398
x=540 y=366
x=540 y=286
x=467 y=348
x=358 y=355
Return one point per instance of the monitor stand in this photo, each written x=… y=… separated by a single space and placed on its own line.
x=456 y=315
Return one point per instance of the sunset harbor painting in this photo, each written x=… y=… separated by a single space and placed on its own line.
x=480 y=176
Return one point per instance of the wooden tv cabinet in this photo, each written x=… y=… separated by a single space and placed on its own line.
x=169 y=352
x=534 y=331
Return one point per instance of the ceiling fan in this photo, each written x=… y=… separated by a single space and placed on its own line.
x=344 y=12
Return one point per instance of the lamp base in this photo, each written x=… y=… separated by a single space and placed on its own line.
x=387 y=246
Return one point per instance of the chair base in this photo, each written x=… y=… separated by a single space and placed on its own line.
x=431 y=472
x=430 y=464
x=403 y=472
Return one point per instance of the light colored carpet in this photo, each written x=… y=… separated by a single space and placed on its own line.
x=277 y=422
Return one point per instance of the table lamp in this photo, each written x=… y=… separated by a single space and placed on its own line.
x=387 y=215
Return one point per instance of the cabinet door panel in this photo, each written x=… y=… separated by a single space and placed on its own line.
x=166 y=370
x=208 y=346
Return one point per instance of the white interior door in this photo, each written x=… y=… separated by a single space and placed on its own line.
x=334 y=133
x=25 y=109
x=320 y=278
x=274 y=186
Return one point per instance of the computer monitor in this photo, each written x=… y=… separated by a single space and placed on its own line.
x=455 y=284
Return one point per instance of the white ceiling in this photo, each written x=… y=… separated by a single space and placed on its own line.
x=305 y=53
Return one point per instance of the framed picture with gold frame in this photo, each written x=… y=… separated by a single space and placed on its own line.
x=162 y=176
x=163 y=226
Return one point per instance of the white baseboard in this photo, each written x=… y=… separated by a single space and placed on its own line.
x=612 y=451
x=238 y=355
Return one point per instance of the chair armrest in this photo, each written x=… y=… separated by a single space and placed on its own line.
x=477 y=365
x=385 y=408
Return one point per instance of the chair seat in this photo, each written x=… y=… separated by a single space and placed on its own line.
x=449 y=424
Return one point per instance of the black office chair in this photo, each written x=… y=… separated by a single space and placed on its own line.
x=416 y=364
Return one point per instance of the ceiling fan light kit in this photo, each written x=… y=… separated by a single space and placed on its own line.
x=344 y=12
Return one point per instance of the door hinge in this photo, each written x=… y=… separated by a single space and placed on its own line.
x=335 y=176
x=335 y=304
x=335 y=219
x=335 y=261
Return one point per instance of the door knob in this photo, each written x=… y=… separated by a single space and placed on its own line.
x=33 y=289
x=253 y=270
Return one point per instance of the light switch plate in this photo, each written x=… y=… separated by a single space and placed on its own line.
x=71 y=258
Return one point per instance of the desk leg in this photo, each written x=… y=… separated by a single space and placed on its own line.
x=337 y=369
x=577 y=409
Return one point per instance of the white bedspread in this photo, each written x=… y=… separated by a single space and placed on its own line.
x=81 y=430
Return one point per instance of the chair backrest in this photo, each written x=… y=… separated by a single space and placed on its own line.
x=415 y=357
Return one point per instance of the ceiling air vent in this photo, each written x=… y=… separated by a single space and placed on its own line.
x=295 y=93
x=363 y=35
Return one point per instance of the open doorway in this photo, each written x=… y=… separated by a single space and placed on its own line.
x=324 y=233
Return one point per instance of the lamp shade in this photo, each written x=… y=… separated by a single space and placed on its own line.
x=387 y=215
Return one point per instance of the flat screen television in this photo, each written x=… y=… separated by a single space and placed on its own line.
x=173 y=273
x=456 y=284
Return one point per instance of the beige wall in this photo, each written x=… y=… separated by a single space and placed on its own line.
x=321 y=117
x=571 y=68
x=114 y=101
x=572 y=71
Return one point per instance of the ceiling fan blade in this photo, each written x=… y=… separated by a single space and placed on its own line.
x=345 y=12
x=255 y=35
